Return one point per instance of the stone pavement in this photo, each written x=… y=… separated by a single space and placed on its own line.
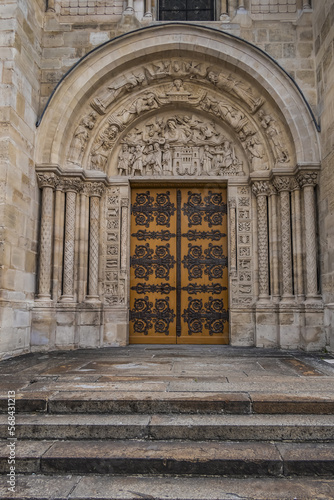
x=170 y=423
x=160 y=371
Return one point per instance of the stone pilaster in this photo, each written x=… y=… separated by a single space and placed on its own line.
x=308 y=181
x=96 y=190
x=46 y=183
x=282 y=184
x=261 y=191
x=71 y=186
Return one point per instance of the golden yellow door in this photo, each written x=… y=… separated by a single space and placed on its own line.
x=179 y=266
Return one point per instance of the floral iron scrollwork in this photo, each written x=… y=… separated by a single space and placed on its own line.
x=146 y=210
x=145 y=261
x=213 y=316
x=212 y=261
x=212 y=209
x=145 y=316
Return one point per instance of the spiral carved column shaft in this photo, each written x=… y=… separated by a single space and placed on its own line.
x=68 y=271
x=94 y=247
x=298 y=260
x=261 y=190
x=286 y=244
x=44 y=282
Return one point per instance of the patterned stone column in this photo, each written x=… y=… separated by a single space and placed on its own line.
x=71 y=187
x=96 y=190
x=274 y=258
x=46 y=183
x=308 y=182
x=58 y=240
x=124 y=232
x=233 y=236
x=297 y=240
x=282 y=185
x=261 y=191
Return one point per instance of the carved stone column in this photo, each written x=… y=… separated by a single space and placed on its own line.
x=71 y=187
x=46 y=183
x=307 y=5
x=58 y=240
x=273 y=235
x=282 y=185
x=96 y=190
x=83 y=243
x=148 y=10
x=308 y=182
x=261 y=191
x=129 y=9
x=241 y=4
x=233 y=237
x=297 y=240
x=124 y=232
x=223 y=10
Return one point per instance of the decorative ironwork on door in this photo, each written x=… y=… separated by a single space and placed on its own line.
x=179 y=266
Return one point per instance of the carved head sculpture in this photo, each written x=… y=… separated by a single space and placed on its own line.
x=213 y=77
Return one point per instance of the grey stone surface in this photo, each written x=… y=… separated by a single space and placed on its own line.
x=113 y=487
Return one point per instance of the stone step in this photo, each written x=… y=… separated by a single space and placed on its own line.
x=236 y=403
x=171 y=457
x=168 y=427
x=109 y=487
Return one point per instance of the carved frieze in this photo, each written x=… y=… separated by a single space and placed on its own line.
x=112 y=286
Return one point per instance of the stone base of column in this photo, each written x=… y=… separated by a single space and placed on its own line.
x=313 y=336
x=315 y=301
x=43 y=328
x=129 y=11
x=67 y=298
x=288 y=300
x=224 y=18
x=95 y=299
x=43 y=298
x=290 y=323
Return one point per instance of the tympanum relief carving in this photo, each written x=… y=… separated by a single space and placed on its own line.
x=205 y=89
x=178 y=144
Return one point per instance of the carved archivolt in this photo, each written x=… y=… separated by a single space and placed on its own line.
x=181 y=85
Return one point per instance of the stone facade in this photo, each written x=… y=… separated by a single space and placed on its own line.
x=115 y=106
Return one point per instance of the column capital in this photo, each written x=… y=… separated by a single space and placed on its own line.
x=70 y=184
x=261 y=188
x=307 y=179
x=47 y=179
x=282 y=183
x=93 y=189
x=232 y=203
x=294 y=184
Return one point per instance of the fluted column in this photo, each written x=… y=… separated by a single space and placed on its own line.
x=233 y=236
x=46 y=183
x=261 y=190
x=273 y=235
x=308 y=182
x=297 y=240
x=71 y=187
x=96 y=190
x=282 y=185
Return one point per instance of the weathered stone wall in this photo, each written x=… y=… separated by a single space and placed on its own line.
x=324 y=48
x=283 y=31
x=20 y=46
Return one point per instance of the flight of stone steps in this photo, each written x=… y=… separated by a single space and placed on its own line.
x=171 y=446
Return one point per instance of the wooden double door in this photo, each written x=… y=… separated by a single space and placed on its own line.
x=179 y=266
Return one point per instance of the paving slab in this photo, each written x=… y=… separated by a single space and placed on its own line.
x=27 y=455
x=292 y=403
x=95 y=487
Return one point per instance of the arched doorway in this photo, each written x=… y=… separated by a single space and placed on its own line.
x=147 y=111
